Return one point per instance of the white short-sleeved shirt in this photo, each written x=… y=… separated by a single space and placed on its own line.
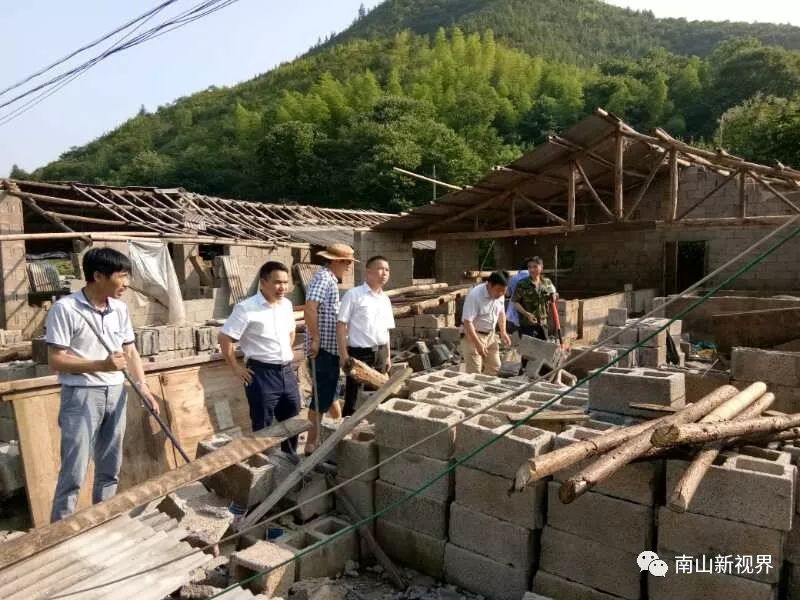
x=66 y=328
x=482 y=309
x=264 y=330
x=368 y=316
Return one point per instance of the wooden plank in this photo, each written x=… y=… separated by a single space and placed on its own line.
x=152 y=489
x=571 y=196
x=674 y=178
x=536 y=206
x=619 y=175
x=742 y=194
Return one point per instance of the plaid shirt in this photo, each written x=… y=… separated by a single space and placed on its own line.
x=324 y=288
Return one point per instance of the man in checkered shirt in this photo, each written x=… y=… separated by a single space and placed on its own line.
x=321 y=315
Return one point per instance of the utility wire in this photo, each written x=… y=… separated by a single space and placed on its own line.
x=787 y=224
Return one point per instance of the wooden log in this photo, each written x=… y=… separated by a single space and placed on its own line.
x=558 y=460
x=363 y=373
x=392 y=571
x=623 y=454
x=152 y=489
x=687 y=485
x=323 y=450
x=698 y=433
x=417 y=308
x=425 y=287
x=571 y=195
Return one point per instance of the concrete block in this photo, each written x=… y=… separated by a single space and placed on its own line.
x=617 y=317
x=358 y=452
x=593 y=564
x=652 y=337
x=770 y=366
x=553 y=586
x=430 y=321
x=756 y=488
x=487 y=493
x=536 y=349
x=146 y=340
x=420 y=513
x=411 y=471
x=264 y=556
x=617 y=523
x=361 y=495
x=400 y=423
x=327 y=560
x=621 y=336
x=311 y=486
x=448 y=308
x=451 y=335
x=503 y=542
x=589 y=361
x=615 y=388
x=695 y=535
x=39 y=350
x=246 y=483
x=411 y=548
x=12 y=477
x=706 y=586
x=166 y=337
x=434 y=379
x=504 y=456
x=184 y=337
x=652 y=358
x=636 y=482
x=483 y=575
x=203 y=338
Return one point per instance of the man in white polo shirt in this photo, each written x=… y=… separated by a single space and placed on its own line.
x=93 y=399
x=263 y=325
x=365 y=318
x=483 y=312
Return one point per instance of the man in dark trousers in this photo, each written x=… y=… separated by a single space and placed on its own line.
x=93 y=398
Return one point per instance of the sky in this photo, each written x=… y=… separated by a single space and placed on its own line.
x=232 y=45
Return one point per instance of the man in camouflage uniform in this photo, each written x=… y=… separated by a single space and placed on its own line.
x=531 y=298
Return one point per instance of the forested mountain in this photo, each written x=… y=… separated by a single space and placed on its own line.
x=328 y=127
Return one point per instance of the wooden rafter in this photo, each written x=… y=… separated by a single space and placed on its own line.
x=645 y=186
x=538 y=207
x=592 y=191
x=619 y=175
x=775 y=192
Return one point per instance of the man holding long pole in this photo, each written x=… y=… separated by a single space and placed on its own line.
x=93 y=398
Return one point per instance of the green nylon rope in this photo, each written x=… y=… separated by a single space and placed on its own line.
x=515 y=424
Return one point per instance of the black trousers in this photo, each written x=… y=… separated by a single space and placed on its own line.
x=273 y=394
x=365 y=355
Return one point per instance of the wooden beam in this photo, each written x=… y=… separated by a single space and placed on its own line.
x=536 y=206
x=742 y=194
x=707 y=196
x=591 y=189
x=152 y=489
x=571 y=195
x=470 y=211
x=512 y=217
x=645 y=186
x=580 y=151
x=674 y=177
x=506 y=233
x=96 y=221
x=619 y=175
x=777 y=194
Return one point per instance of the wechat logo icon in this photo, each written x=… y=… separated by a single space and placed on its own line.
x=649 y=561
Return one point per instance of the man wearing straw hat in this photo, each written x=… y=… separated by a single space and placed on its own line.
x=321 y=315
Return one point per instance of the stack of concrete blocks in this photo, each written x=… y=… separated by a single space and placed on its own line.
x=589 y=547
x=653 y=352
x=780 y=370
x=415 y=532
x=494 y=538
x=330 y=557
x=613 y=390
x=541 y=397
x=791 y=551
x=744 y=507
x=146 y=341
x=617 y=324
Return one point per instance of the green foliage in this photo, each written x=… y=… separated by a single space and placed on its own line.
x=327 y=128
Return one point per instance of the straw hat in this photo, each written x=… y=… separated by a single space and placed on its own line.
x=338 y=252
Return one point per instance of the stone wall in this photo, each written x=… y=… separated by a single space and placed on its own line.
x=391 y=245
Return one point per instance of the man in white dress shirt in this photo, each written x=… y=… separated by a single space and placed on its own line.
x=365 y=318
x=264 y=327
x=483 y=312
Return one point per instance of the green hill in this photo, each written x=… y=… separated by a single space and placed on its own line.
x=328 y=127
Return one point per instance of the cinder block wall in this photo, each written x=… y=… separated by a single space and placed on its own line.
x=14 y=310
x=453 y=257
x=391 y=245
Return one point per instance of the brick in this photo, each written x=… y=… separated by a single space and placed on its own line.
x=400 y=423
x=411 y=471
x=483 y=575
x=506 y=454
x=328 y=560
x=617 y=317
x=420 y=513
x=618 y=523
x=411 y=548
x=593 y=564
x=636 y=482
x=615 y=388
x=258 y=558
x=503 y=542
x=652 y=358
x=756 y=489
x=557 y=587
x=705 y=586
x=696 y=535
x=487 y=493
x=356 y=453
x=770 y=366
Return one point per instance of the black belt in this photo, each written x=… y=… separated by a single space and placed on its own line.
x=252 y=362
x=483 y=332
